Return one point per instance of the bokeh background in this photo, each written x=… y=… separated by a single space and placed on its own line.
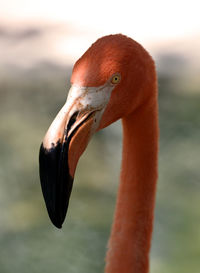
x=39 y=42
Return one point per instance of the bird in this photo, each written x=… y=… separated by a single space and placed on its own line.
x=114 y=79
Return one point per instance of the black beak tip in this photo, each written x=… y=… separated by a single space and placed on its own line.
x=58 y=226
x=56 y=223
x=56 y=181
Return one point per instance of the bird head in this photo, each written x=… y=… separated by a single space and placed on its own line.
x=106 y=85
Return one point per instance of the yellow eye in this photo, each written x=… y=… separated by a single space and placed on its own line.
x=116 y=79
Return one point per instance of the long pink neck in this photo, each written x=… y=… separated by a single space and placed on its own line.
x=129 y=244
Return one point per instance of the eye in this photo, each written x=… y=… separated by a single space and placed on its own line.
x=116 y=79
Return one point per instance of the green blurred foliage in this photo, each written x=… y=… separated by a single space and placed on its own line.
x=29 y=100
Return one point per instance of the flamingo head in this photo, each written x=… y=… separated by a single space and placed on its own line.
x=106 y=85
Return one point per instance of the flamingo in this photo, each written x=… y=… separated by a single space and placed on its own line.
x=114 y=79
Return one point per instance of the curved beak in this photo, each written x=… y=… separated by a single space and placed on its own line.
x=64 y=143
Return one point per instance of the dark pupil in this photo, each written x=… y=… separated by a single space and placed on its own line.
x=116 y=78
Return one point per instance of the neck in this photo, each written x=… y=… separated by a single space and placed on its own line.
x=130 y=240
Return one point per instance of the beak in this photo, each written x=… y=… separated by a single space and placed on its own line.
x=64 y=143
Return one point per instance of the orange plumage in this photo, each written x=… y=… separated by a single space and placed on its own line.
x=134 y=100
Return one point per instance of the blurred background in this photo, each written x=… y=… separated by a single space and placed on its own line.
x=39 y=42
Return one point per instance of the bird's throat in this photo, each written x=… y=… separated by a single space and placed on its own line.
x=130 y=240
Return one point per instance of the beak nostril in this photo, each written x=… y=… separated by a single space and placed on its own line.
x=72 y=121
